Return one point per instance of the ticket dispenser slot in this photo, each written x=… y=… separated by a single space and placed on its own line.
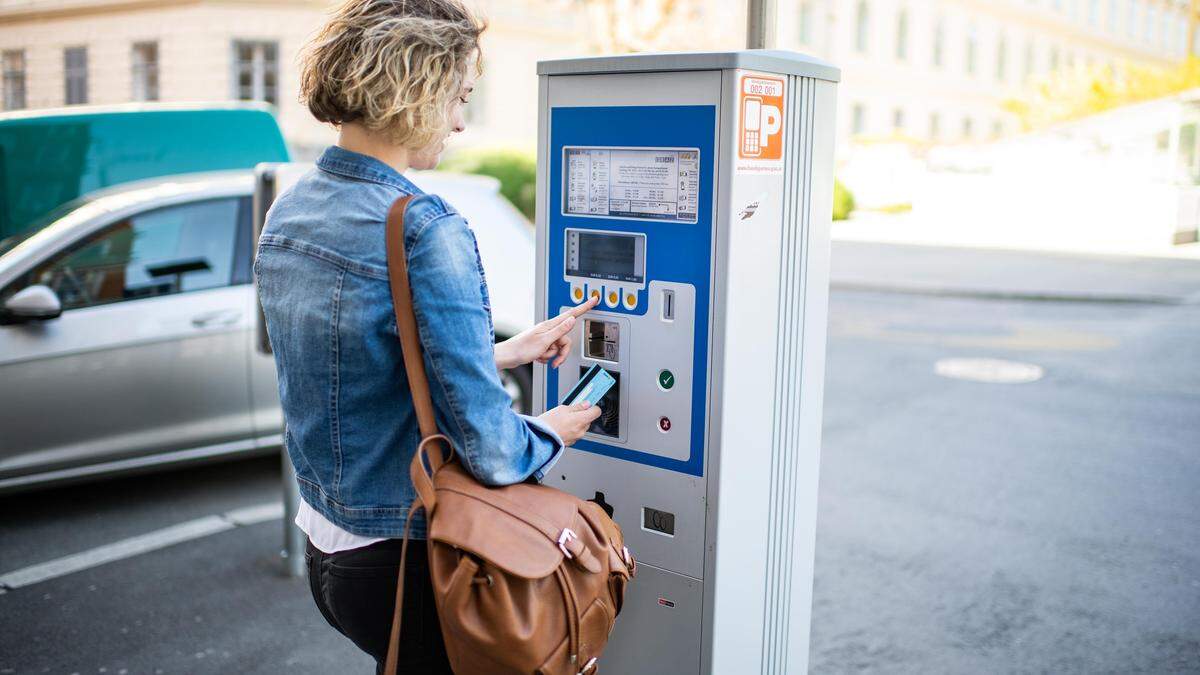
x=712 y=326
x=601 y=339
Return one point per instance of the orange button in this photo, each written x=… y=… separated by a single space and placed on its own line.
x=630 y=299
x=578 y=293
x=595 y=294
x=612 y=297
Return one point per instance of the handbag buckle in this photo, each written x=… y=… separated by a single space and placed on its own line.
x=588 y=666
x=565 y=536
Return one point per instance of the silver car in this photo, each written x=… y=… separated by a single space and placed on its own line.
x=128 y=326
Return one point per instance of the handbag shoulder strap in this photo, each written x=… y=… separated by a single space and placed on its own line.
x=406 y=321
x=418 y=384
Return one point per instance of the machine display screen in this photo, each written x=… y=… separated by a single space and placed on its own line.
x=637 y=183
x=606 y=255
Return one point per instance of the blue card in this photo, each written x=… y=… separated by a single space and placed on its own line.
x=592 y=387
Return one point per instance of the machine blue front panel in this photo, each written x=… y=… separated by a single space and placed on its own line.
x=674 y=251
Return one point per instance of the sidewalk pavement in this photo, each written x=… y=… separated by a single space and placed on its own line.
x=955 y=270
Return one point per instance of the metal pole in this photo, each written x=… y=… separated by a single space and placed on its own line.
x=1193 y=11
x=760 y=24
x=293 y=539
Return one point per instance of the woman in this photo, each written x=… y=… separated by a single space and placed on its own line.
x=393 y=77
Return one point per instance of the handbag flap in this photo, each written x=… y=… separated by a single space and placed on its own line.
x=515 y=527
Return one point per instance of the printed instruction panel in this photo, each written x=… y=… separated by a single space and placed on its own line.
x=641 y=183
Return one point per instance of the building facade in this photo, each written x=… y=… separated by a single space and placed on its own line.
x=934 y=71
x=939 y=70
x=68 y=52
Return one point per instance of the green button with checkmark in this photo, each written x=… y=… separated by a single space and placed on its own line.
x=666 y=379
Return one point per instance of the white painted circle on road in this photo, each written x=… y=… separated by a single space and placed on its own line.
x=993 y=371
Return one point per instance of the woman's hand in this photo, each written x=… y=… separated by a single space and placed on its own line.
x=570 y=422
x=550 y=339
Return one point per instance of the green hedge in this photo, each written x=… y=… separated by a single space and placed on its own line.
x=517 y=173
x=843 y=201
x=515 y=169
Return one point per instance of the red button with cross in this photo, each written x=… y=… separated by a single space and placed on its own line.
x=664 y=423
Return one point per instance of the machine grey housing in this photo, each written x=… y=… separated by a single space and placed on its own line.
x=725 y=558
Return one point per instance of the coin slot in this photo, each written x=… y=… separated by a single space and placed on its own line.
x=668 y=305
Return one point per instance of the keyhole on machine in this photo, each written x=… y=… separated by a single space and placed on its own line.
x=599 y=499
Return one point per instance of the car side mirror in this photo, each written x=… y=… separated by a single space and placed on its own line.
x=32 y=303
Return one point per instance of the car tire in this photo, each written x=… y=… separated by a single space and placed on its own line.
x=518 y=382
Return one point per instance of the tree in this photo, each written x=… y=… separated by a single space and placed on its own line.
x=1072 y=94
x=623 y=26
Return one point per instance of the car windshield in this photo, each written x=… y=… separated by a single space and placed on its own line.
x=9 y=243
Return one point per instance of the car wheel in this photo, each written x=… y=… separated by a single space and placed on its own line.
x=518 y=382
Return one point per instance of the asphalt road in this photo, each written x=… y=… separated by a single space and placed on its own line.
x=1052 y=526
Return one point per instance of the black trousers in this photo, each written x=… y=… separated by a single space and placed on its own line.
x=356 y=593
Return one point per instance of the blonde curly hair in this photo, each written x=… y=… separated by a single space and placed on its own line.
x=392 y=65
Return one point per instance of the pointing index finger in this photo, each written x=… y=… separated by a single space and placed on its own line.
x=584 y=308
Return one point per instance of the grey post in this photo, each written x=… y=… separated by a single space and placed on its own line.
x=760 y=24
x=293 y=539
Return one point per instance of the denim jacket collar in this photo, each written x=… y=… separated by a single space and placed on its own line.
x=341 y=161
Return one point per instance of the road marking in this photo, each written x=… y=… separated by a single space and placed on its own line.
x=253 y=515
x=992 y=371
x=142 y=543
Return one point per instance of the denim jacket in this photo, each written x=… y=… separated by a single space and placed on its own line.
x=350 y=426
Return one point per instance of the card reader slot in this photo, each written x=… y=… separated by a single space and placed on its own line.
x=609 y=422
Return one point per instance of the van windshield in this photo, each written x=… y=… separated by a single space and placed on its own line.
x=38 y=224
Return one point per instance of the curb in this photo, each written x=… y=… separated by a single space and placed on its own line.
x=1023 y=296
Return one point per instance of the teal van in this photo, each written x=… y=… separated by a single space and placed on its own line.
x=49 y=157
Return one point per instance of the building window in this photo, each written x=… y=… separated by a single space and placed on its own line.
x=1151 y=17
x=972 y=49
x=1001 y=58
x=1055 y=57
x=898 y=119
x=968 y=128
x=862 y=26
x=1093 y=12
x=1027 y=67
x=1113 y=11
x=75 y=67
x=145 y=71
x=902 y=35
x=939 y=42
x=14 y=79
x=859 y=123
x=1131 y=25
x=997 y=129
x=806 y=22
x=1164 y=30
x=935 y=126
x=256 y=71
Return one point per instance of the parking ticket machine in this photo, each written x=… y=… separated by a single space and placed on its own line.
x=692 y=194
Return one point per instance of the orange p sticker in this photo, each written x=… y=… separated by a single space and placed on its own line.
x=760 y=126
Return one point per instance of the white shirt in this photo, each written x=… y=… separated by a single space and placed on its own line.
x=327 y=537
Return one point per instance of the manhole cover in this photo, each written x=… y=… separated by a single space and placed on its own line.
x=995 y=371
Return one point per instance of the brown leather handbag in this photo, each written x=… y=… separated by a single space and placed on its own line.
x=527 y=578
